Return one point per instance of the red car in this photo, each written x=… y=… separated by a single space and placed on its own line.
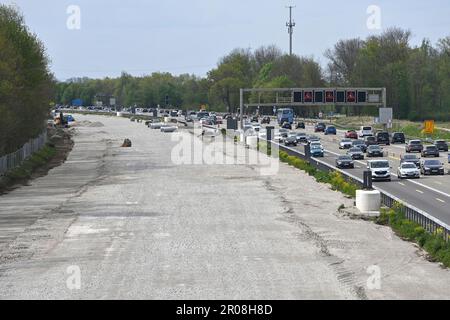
x=351 y=134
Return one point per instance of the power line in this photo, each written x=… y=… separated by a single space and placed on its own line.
x=290 y=25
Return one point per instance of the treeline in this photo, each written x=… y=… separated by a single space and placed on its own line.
x=417 y=78
x=26 y=85
x=219 y=90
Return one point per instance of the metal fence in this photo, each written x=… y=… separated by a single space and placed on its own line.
x=427 y=221
x=13 y=160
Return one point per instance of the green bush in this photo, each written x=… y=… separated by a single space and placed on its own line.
x=334 y=178
x=25 y=170
x=434 y=244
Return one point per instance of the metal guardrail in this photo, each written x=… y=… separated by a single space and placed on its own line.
x=425 y=220
x=13 y=160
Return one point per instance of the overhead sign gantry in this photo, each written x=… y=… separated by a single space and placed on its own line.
x=293 y=97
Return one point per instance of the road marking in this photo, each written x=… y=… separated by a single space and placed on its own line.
x=401 y=183
x=440 y=200
x=437 y=182
x=419 y=191
x=411 y=181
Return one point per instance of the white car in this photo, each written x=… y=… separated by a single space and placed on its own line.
x=381 y=169
x=256 y=127
x=345 y=144
x=408 y=170
x=315 y=144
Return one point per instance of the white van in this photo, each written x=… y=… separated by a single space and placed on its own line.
x=365 y=131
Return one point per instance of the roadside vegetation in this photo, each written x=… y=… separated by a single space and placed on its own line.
x=28 y=167
x=434 y=244
x=334 y=178
x=26 y=84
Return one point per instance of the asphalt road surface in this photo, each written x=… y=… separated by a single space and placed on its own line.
x=429 y=193
x=130 y=223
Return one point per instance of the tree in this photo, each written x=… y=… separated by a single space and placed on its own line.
x=26 y=84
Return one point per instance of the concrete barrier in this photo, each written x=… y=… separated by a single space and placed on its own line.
x=368 y=202
x=169 y=128
x=252 y=141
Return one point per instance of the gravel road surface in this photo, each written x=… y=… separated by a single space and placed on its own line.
x=130 y=223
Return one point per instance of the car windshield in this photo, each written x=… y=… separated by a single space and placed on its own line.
x=380 y=164
x=358 y=142
x=370 y=138
x=410 y=156
x=374 y=148
x=315 y=147
x=354 y=150
x=346 y=140
x=432 y=163
x=409 y=166
x=344 y=158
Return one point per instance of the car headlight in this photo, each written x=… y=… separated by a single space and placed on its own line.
x=426 y=168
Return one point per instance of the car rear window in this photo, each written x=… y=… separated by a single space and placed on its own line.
x=415 y=142
x=367 y=128
x=380 y=164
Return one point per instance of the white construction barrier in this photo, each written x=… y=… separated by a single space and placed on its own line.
x=168 y=129
x=368 y=202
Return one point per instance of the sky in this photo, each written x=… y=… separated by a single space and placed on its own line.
x=190 y=36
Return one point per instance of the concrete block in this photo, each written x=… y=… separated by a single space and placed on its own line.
x=368 y=202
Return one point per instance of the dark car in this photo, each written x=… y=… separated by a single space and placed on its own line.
x=442 y=145
x=430 y=151
x=383 y=138
x=300 y=125
x=301 y=137
x=374 y=151
x=410 y=158
x=356 y=153
x=360 y=144
x=265 y=120
x=351 y=134
x=370 y=141
x=290 y=140
x=330 y=130
x=254 y=119
x=429 y=167
x=345 y=162
x=398 y=137
x=286 y=125
x=316 y=151
x=320 y=127
x=414 y=146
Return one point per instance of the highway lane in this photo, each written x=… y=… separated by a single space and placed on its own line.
x=431 y=199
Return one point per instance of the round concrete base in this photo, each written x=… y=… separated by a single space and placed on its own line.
x=368 y=202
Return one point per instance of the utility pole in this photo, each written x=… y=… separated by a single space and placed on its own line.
x=290 y=26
